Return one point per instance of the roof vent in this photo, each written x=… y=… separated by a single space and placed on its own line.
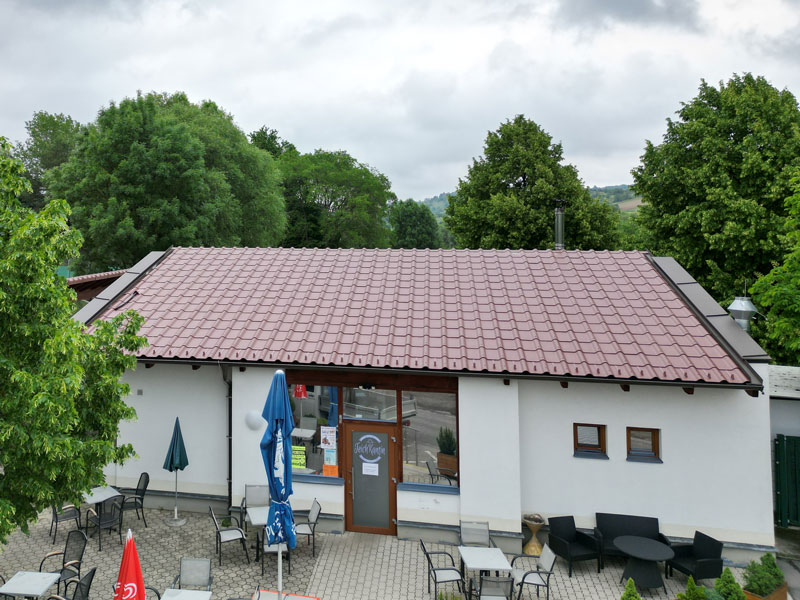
x=742 y=310
x=559 y=233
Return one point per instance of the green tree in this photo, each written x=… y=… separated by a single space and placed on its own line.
x=693 y=592
x=50 y=140
x=727 y=587
x=632 y=236
x=333 y=201
x=508 y=196
x=413 y=225
x=60 y=386
x=778 y=293
x=268 y=139
x=714 y=188
x=156 y=171
x=630 y=592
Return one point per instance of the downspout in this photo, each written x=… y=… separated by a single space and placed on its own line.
x=226 y=377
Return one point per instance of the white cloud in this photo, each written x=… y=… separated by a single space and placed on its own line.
x=409 y=87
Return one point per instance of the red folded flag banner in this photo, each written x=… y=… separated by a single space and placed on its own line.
x=300 y=391
x=130 y=585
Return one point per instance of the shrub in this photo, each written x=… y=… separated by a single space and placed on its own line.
x=692 y=591
x=630 y=592
x=447 y=441
x=727 y=587
x=763 y=578
x=712 y=594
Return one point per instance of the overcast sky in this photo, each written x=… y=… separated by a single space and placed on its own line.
x=410 y=87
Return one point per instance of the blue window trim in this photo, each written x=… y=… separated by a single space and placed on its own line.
x=429 y=488
x=319 y=479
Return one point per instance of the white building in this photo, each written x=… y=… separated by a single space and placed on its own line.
x=575 y=382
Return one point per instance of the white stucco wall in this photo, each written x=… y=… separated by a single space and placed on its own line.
x=428 y=507
x=250 y=388
x=199 y=399
x=715 y=447
x=489 y=447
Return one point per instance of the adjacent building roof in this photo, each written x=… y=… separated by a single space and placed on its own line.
x=784 y=382
x=519 y=312
x=88 y=286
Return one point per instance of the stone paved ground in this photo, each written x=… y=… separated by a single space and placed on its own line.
x=349 y=566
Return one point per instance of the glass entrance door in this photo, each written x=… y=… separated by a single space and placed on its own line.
x=371 y=477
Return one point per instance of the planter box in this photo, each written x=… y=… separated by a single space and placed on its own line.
x=779 y=594
x=447 y=461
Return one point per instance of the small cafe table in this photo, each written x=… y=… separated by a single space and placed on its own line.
x=29 y=584
x=643 y=556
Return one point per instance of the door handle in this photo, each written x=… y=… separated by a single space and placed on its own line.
x=394 y=480
x=352 y=487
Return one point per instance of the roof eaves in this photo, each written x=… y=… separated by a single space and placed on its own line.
x=742 y=349
x=95 y=307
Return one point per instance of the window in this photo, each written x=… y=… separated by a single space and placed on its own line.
x=589 y=440
x=643 y=444
x=430 y=438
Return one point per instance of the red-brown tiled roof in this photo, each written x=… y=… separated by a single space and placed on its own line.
x=565 y=313
x=71 y=281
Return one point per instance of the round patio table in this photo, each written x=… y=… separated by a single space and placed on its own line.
x=643 y=556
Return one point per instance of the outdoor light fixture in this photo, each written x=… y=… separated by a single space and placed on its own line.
x=253 y=420
x=742 y=310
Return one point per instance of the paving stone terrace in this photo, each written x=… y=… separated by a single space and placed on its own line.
x=347 y=566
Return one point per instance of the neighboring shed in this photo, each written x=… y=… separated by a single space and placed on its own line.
x=784 y=394
x=550 y=361
x=89 y=286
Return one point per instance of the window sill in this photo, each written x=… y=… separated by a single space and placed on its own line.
x=645 y=459
x=428 y=488
x=586 y=454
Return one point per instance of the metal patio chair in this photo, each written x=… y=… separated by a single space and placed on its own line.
x=494 y=588
x=446 y=574
x=109 y=517
x=194 y=572
x=539 y=576
x=228 y=534
x=82 y=588
x=306 y=527
x=475 y=533
x=71 y=558
x=254 y=495
x=136 y=501
x=68 y=512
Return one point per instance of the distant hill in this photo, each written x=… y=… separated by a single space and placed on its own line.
x=620 y=195
x=438 y=204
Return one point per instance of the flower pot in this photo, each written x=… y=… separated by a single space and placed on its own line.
x=779 y=594
x=447 y=461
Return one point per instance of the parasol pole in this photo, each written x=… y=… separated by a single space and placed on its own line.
x=280 y=573
x=176 y=494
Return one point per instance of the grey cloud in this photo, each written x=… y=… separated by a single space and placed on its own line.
x=681 y=13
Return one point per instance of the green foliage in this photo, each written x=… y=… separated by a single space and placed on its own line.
x=51 y=138
x=632 y=236
x=438 y=204
x=714 y=188
x=727 y=587
x=613 y=194
x=448 y=596
x=60 y=386
x=413 y=225
x=712 y=594
x=763 y=577
x=630 y=592
x=269 y=140
x=156 y=171
x=692 y=591
x=447 y=441
x=333 y=201
x=776 y=293
x=507 y=199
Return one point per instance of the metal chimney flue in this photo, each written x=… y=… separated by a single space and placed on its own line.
x=559 y=233
x=742 y=310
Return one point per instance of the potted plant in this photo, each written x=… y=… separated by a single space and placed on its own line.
x=765 y=580
x=446 y=459
x=727 y=587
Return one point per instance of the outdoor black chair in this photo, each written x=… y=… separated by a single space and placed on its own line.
x=109 y=517
x=570 y=544
x=274 y=549
x=475 y=533
x=136 y=501
x=446 y=574
x=71 y=558
x=254 y=495
x=68 y=512
x=494 y=588
x=437 y=473
x=194 y=573
x=228 y=534
x=82 y=588
x=702 y=559
x=539 y=576
x=308 y=526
